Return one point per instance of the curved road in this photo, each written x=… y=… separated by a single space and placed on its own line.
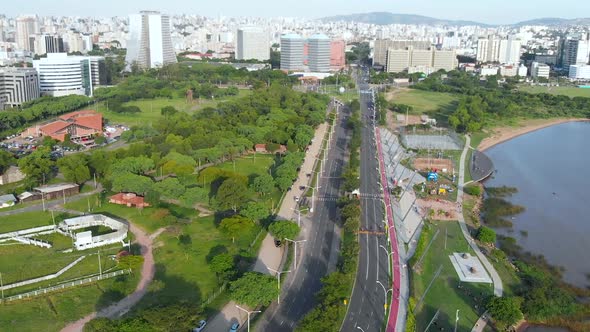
x=147 y=275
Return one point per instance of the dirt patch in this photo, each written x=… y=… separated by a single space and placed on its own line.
x=443 y=210
x=393 y=124
x=424 y=164
x=203 y=211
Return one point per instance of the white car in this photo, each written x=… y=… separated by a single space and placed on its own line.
x=200 y=327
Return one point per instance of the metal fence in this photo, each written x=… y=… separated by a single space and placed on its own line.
x=430 y=138
x=69 y=284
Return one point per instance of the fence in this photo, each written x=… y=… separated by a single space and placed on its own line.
x=215 y=295
x=78 y=282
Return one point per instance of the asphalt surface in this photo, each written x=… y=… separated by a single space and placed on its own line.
x=367 y=304
x=318 y=256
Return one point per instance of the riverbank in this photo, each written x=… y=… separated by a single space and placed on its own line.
x=503 y=134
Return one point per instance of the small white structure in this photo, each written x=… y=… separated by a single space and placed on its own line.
x=469 y=268
x=85 y=240
x=7 y=201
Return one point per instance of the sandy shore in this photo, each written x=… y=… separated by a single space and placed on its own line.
x=503 y=134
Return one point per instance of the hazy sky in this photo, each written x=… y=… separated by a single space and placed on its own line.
x=486 y=11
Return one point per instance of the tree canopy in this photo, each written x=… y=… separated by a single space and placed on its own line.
x=254 y=289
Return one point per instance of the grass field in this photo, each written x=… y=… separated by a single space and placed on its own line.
x=424 y=101
x=25 y=220
x=445 y=294
x=569 y=91
x=150 y=108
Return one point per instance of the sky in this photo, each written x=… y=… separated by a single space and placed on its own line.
x=488 y=11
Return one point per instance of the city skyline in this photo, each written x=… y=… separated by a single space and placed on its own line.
x=501 y=12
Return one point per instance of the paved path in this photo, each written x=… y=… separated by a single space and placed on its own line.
x=498 y=289
x=226 y=317
x=147 y=275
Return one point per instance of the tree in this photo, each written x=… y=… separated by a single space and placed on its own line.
x=223 y=265
x=263 y=184
x=486 y=235
x=232 y=194
x=74 y=168
x=254 y=289
x=235 y=226
x=255 y=211
x=130 y=262
x=505 y=311
x=6 y=160
x=129 y=182
x=170 y=188
x=135 y=165
x=38 y=165
x=282 y=229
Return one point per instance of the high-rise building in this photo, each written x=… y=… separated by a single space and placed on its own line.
x=18 y=86
x=319 y=53
x=509 y=52
x=62 y=75
x=253 y=43
x=150 y=42
x=539 y=70
x=25 y=27
x=579 y=72
x=383 y=45
x=1 y=31
x=292 y=52
x=399 y=60
x=575 y=52
x=337 y=54
x=494 y=49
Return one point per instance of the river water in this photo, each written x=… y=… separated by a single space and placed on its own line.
x=548 y=167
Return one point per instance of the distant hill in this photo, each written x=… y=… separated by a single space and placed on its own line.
x=384 y=18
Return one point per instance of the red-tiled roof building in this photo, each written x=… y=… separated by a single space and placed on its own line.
x=129 y=199
x=80 y=125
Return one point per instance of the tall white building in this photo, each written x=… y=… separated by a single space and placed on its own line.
x=579 y=72
x=18 y=86
x=318 y=58
x=576 y=52
x=292 y=52
x=150 y=42
x=26 y=26
x=494 y=49
x=509 y=52
x=62 y=75
x=253 y=43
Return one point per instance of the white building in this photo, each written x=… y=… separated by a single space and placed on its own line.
x=488 y=71
x=522 y=71
x=150 y=42
x=26 y=26
x=579 y=72
x=430 y=60
x=62 y=75
x=576 y=52
x=18 y=86
x=292 y=52
x=509 y=52
x=493 y=49
x=253 y=43
x=319 y=53
x=540 y=70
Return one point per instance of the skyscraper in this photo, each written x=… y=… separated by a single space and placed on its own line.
x=575 y=52
x=494 y=49
x=253 y=43
x=319 y=53
x=25 y=27
x=292 y=52
x=150 y=43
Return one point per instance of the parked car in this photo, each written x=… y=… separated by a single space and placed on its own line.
x=277 y=243
x=234 y=327
x=200 y=327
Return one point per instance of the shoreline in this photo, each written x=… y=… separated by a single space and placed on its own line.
x=504 y=134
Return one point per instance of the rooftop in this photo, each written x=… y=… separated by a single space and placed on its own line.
x=56 y=187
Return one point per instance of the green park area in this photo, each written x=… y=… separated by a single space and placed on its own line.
x=437 y=287
x=570 y=91
x=424 y=102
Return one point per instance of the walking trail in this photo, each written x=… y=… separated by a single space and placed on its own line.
x=147 y=275
x=498 y=289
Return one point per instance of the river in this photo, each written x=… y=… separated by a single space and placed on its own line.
x=548 y=167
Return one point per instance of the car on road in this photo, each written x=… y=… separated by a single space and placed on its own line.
x=200 y=327
x=234 y=327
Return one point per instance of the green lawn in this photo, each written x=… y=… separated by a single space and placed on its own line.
x=569 y=91
x=444 y=293
x=249 y=165
x=25 y=220
x=424 y=101
x=150 y=108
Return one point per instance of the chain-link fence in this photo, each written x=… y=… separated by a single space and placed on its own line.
x=430 y=138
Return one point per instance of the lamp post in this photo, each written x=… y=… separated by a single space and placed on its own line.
x=360 y=328
x=248 y=312
x=298 y=216
x=388 y=256
x=295 y=253
x=278 y=274
x=385 y=291
x=313 y=189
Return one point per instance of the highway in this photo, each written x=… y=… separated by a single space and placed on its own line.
x=319 y=255
x=366 y=311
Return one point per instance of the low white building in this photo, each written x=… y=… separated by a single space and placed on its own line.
x=488 y=71
x=540 y=70
x=62 y=75
x=579 y=72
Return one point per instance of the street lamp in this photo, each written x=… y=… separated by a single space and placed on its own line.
x=388 y=256
x=248 y=312
x=298 y=216
x=313 y=189
x=278 y=274
x=385 y=291
x=360 y=328
x=295 y=253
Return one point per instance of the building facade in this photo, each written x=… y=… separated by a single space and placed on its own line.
x=150 y=41
x=414 y=60
x=579 y=72
x=292 y=52
x=18 y=86
x=575 y=52
x=319 y=53
x=337 y=54
x=539 y=70
x=26 y=26
x=494 y=49
x=253 y=43
x=62 y=75
x=383 y=45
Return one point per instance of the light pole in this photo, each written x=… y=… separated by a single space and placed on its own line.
x=313 y=189
x=278 y=282
x=295 y=253
x=456 y=319
x=298 y=216
x=360 y=328
x=385 y=291
x=388 y=256
x=248 y=312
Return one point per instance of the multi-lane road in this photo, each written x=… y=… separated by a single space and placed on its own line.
x=372 y=287
x=319 y=254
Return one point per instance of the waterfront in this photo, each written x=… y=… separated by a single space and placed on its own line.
x=548 y=168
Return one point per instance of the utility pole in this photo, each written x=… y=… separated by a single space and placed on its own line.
x=43 y=200
x=2 y=286
x=99 y=265
x=247 y=312
x=95 y=180
x=295 y=253
x=456 y=319
x=278 y=274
